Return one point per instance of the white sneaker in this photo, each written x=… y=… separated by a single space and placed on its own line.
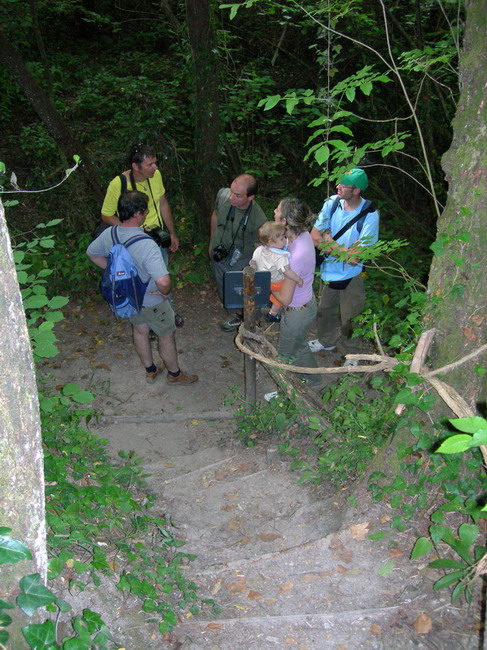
x=350 y=362
x=269 y=396
x=316 y=346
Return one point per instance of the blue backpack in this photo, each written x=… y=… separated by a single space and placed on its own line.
x=121 y=285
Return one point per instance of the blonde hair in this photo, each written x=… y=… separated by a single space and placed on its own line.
x=270 y=231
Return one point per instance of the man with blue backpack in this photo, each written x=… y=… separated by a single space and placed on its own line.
x=346 y=222
x=136 y=284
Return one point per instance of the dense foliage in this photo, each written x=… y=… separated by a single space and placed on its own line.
x=122 y=73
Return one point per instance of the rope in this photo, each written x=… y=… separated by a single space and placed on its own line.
x=383 y=362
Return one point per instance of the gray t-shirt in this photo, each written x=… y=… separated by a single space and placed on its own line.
x=145 y=253
x=231 y=230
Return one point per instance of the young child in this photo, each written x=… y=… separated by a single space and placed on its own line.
x=273 y=257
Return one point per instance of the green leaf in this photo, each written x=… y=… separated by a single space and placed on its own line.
x=53 y=222
x=458 y=591
x=83 y=397
x=270 y=102
x=34 y=594
x=76 y=644
x=43 y=273
x=448 y=580
x=340 y=145
x=455 y=444
x=468 y=533
x=322 y=154
x=34 y=302
x=378 y=535
x=45 y=350
x=399 y=483
x=40 y=636
x=405 y=396
x=386 y=569
x=438 y=533
x=5 y=604
x=54 y=316
x=12 y=551
x=479 y=438
x=470 y=425
x=339 y=128
x=46 y=243
x=291 y=104
x=422 y=547
x=57 y=302
x=350 y=94
x=366 y=88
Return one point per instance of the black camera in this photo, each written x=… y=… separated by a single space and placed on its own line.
x=160 y=236
x=220 y=253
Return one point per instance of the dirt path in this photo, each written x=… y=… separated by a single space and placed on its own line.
x=289 y=567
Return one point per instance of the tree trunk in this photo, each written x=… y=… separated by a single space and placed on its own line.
x=22 y=505
x=56 y=126
x=206 y=106
x=457 y=287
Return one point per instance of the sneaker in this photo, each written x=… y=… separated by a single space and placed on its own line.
x=273 y=318
x=349 y=362
x=231 y=324
x=178 y=320
x=269 y=396
x=150 y=377
x=316 y=346
x=182 y=378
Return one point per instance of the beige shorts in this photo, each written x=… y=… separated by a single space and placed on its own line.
x=160 y=318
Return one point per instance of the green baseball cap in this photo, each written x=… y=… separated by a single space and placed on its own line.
x=357 y=178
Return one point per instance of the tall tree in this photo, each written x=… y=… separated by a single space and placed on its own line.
x=22 y=505
x=457 y=289
x=206 y=104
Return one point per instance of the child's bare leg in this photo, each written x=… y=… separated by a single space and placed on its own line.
x=291 y=275
x=274 y=310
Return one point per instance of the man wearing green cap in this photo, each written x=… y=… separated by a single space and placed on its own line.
x=343 y=293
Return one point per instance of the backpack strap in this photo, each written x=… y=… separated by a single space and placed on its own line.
x=367 y=207
x=135 y=239
x=123 y=184
x=334 y=207
x=130 y=241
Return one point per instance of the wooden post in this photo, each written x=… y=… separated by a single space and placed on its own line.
x=249 y=323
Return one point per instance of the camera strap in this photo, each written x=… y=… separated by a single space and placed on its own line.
x=243 y=222
x=155 y=205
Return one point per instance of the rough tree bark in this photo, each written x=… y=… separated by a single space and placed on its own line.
x=56 y=126
x=22 y=506
x=206 y=105
x=457 y=287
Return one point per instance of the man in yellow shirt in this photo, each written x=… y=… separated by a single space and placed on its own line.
x=148 y=180
x=144 y=176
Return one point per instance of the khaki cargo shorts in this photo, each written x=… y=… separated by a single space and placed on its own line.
x=160 y=318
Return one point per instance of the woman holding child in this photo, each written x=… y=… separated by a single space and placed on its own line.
x=299 y=311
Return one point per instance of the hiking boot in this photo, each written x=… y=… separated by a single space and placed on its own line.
x=231 y=324
x=178 y=320
x=316 y=346
x=182 y=378
x=273 y=318
x=150 y=377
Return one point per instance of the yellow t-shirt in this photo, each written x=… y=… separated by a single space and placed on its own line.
x=153 y=188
